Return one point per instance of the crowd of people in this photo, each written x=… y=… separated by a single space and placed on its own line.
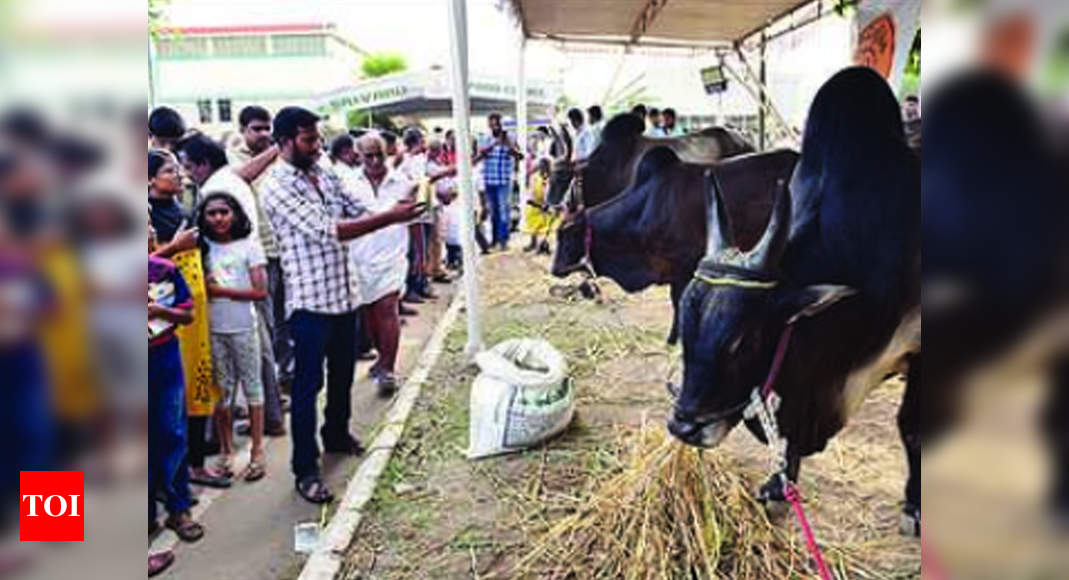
x=277 y=263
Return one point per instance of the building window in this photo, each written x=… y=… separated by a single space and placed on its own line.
x=190 y=47
x=204 y=110
x=299 y=45
x=239 y=46
x=223 y=106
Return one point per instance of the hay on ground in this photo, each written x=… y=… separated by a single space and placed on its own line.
x=671 y=511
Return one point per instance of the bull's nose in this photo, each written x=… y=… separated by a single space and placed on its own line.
x=683 y=430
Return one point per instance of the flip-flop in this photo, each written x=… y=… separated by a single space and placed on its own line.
x=159 y=562
x=313 y=489
x=255 y=472
x=225 y=470
x=189 y=531
x=216 y=481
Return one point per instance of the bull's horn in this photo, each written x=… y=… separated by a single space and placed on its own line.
x=766 y=253
x=720 y=242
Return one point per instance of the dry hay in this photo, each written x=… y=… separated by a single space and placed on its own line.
x=670 y=511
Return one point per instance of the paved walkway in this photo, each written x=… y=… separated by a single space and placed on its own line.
x=249 y=527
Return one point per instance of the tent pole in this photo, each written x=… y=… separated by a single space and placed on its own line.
x=762 y=79
x=521 y=120
x=458 y=49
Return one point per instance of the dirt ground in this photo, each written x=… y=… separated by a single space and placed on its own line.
x=436 y=514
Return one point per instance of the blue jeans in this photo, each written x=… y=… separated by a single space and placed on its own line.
x=497 y=197
x=26 y=422
x=167 y=465
x=315 y=337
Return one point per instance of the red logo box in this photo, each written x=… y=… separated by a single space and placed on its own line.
x=51 y=506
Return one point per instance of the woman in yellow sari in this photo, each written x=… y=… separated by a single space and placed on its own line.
x=177 y=242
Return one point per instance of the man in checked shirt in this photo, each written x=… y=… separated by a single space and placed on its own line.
x=312 y=218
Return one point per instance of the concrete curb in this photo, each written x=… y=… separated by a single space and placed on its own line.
x=324 y=562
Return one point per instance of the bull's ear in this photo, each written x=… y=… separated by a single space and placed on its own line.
x=812 y=300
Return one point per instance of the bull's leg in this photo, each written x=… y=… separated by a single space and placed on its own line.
x=677 y=293
x=772 y=493
x=909 y=428
x=1057 y=432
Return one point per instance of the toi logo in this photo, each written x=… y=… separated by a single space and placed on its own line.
x=51 y=506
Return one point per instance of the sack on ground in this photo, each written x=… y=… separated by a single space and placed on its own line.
x=521 y=397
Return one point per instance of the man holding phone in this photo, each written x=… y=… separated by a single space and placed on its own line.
x=380 y=259
x=499 y=155
x=312 y=216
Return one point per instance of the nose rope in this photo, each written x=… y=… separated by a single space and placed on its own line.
x=764 y=404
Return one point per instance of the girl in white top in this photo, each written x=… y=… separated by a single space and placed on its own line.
x=236 y=275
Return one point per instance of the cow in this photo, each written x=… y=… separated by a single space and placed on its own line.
x=839 y=262
x=654 y=232
x=612 y=165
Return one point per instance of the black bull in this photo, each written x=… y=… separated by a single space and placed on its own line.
x=612 y=165
x=655 y=231
x=839 y=262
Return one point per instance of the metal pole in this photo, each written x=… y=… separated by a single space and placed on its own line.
x=458 y=50
x=764 y=96
x=153 y=73
x=521 y=120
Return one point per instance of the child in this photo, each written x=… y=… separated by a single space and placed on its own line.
x=538 y=217
x=170 y=304
x=236 y=275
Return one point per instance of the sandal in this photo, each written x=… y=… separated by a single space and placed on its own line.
x=187 y=530
x=159 y=562
x=209 y=479
x=314 y=490
x=225 y=469
x=255 y=471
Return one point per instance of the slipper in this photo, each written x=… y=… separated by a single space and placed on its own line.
x=314 y=490
x=188 y=531
x=159 y=562
x=224 y=468
x=209 y=480
x=255 y=472
x=348 y=446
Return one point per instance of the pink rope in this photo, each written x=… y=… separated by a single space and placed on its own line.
x=795 y=497
x=777 y=361
x=930 y=562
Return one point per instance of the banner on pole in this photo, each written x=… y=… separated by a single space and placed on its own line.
x=883 y=35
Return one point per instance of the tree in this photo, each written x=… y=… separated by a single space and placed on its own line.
x=376 y=65
x=382 y=63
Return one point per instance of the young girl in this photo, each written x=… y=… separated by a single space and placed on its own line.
x=539 y=218
x=236 y=275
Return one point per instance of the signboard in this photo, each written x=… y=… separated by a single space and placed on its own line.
x=426 y=85
x=713 y=80
x=884 y=34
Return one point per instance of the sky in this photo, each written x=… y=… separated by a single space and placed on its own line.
x=418 y=29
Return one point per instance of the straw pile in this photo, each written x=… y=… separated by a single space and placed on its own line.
x=671 y=511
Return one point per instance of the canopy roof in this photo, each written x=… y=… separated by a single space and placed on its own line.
x=649 y=22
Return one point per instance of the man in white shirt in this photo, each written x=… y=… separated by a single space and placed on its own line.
x=205 y=162
x=655 y=129
x=582 y=144
x=380 y=259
